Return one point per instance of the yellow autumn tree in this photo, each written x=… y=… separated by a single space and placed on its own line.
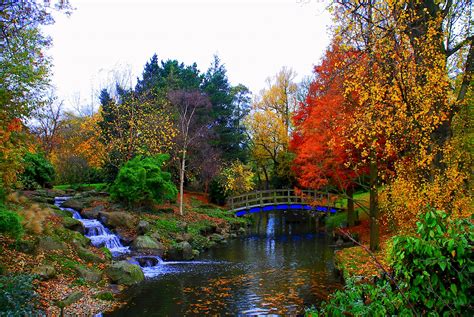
x=406 y=103
x=268 y=139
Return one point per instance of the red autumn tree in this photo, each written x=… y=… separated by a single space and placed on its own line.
x=323 y=157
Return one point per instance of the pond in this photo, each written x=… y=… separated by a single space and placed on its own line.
x=283 y=265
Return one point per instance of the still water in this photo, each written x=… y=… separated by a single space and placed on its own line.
x=283 y=265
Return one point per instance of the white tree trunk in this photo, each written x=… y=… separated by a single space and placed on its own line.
x=181 y=183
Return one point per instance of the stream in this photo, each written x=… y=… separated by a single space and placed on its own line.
x=281 y=266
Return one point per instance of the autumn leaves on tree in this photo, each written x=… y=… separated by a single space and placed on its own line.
x=394 y=99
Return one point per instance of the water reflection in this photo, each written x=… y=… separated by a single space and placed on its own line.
x=284 y=264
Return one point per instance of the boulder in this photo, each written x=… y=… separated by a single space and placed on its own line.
x=80 y=240
x=45 y=272
x=143 y=227
x=89 y=256
x=147 y=244
x=181 y=251
x=180 y=237
x=217 y=237
x=117 y=219
x=92 y=213
x=123 y=272
x=88 y=274
x=69 y=300
x=74 y=204
x=73 y=224
x=48 y=244
x=242 y=230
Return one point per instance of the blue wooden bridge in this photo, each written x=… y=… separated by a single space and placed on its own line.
x=282 y=199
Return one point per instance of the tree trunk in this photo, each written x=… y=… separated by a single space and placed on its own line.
x=350 y=207
x=267 y=182
x=181 y=183
x=373 y=209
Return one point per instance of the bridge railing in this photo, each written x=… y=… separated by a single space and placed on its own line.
x=278 y=196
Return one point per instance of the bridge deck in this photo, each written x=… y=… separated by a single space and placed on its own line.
x=280 y=199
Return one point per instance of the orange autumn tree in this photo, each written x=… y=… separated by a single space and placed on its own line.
x=323 y=155
x=407 y=100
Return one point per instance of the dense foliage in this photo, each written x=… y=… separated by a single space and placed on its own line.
x=17 y=295
x=10 y=223
x=142 y=179
x=38 y=171
x=432 y=271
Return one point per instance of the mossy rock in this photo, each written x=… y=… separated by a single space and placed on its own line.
x=74 y=204
x=181 y=251
x=70 y=299
x=89 y=256
x=118 y=219
x=73 y=224
x=148 y=244
x=90 y=275
x=48 y=244
x=108 y=296
x=125 y=273
x=45 y=272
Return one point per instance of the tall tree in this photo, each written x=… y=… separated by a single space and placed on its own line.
x=405 y=96
x=229 y=136
x=324 y=156
x=191 y=127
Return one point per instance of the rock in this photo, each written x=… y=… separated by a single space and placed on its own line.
x=232 y=235
x=104 y=295
x=45 y=272
x=70 y=299
x=180 y=237
x=183 y=225
x=217 y=237
x=88 y=274
x=117 y=219
x=92 y=213
x=181 y=251
x=196 y=253
x=74 y=204
x=241 y=231
x=39 y=199
x=123 y=272
x=48 y=244
x=156 y=236
x=73 y=224
x=148 y=245
x=143 y=227
x=80 y=240
x=89 y=256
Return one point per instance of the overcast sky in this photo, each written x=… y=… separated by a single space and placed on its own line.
x=253 y=38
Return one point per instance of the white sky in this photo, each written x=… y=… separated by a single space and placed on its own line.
x=254 y=39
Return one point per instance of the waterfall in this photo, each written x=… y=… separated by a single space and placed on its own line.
x=99 y=235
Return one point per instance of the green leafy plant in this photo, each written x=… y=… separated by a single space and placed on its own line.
x=436 y=268
x=38 y=172
x=431 y=275
x=141 y=179
x=17 y=295
x=10 y=223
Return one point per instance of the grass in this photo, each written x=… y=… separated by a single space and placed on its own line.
x=96 y=186
x=338 y=219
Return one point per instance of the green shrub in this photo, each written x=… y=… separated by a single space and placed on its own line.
x=141 y=179
x=17 y=296
x=436 y=268
x=433 y=272
x=10 y=223
x=39 y=172
x=217 y=193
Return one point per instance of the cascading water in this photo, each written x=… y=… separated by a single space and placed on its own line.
x=98 y=234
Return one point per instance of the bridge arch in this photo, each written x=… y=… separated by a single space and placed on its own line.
x=282 y=199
